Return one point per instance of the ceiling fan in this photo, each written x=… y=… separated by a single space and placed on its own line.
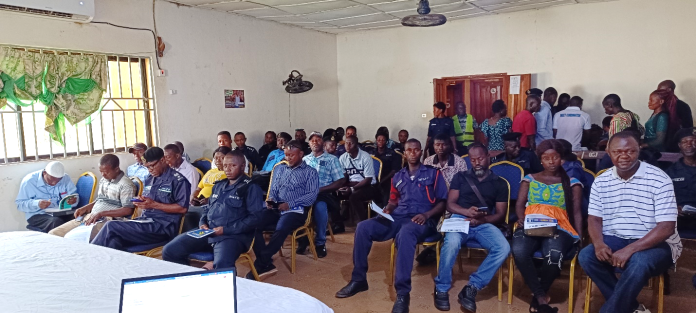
x=424 y=19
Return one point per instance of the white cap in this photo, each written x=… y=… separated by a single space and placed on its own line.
x=55 y=169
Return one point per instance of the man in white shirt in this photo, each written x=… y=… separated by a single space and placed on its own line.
x=632 y=223
x=572 y=123
x=359 y=168
x=544 y=118
x=172 y=155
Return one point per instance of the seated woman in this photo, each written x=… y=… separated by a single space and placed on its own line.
x=205 y=186
x=663 y=123
x=552 y=193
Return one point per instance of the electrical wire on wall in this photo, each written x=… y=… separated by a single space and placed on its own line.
x=154 y=36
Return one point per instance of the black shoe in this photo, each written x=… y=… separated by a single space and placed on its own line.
x=263 y=272
x=351 y=289
x=426 y=257
x=401 y=304
x=321 y=251
x=302 y=244
x=338 y=229
x=467 y=298
x=441 y=300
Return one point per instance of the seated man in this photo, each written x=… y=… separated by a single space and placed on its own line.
x=269 y=144
x=277 y=155
x=417 y=200
x=523 y=157
x=183 y=154
x=249 y=152
x=233 y=212
x=205 y=186
x=632 y=224
x=43 y=190
x=331 y=178
x=172 y=156
x=465 y=201
x=444 y=160
x=301 y=136
x=138 y=169
x=113 y=201
x=330 y=147
x=683 y=174
x=294 y=188
x=164 y=201
x=391 y=163
x=362 y=182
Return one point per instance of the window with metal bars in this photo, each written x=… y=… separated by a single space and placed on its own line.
x=127 y=116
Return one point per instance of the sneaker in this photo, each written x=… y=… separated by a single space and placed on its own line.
x=401 y=304
x=467 y=298
x=265 y=272
x=441 y=300
x=641 y=309
x=321 y=251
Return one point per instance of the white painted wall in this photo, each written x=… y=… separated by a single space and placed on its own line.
x=207 y=52
x=625 y=47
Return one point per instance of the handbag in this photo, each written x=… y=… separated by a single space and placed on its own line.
x=502 y=226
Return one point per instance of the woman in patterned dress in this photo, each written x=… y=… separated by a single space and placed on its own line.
x=495 y=127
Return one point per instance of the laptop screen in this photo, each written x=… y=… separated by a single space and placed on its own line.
x=186 y=292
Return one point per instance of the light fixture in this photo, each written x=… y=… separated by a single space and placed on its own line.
x=424 y=19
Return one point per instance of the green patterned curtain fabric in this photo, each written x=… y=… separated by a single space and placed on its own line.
x=70 y=86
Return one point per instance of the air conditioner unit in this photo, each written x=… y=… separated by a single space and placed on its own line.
x=81 y=11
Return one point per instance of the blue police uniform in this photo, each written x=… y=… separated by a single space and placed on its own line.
x=412 y=196
x=168 y=188
x=527 y=159
x=237 y=208
x=443 y=125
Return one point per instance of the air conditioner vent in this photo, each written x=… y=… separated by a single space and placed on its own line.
x=46 y=13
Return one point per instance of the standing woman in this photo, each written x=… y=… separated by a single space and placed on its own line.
x=495 y=127
x=664 y=122
x=554 y=194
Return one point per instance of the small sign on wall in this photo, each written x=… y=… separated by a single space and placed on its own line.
x=515 y=85
x=234 y=99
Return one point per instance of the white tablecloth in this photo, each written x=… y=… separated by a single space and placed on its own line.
x=44 y=273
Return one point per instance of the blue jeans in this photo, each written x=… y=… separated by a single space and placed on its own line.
x=490 y=238
x=321 y=219
x=622 y=293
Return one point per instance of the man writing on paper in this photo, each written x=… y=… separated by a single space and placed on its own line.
x=416 y=202
x=42 y=190
x=469 y=192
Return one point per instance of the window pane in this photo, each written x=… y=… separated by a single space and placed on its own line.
x=8 y=122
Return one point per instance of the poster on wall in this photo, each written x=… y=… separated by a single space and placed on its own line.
x=234 y=99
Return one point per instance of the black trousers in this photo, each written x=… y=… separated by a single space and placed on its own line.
x=47 y=222
x=225 y=252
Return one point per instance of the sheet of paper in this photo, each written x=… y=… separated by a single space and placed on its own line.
x=380 y=211
x=455 y=225
x=299 y=210
x=515 y=85
x=146 y=220
x=533 y=221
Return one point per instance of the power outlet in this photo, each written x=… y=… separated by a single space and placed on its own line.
x=161 y=73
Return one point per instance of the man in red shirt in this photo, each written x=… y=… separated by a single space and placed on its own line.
x=525 y=123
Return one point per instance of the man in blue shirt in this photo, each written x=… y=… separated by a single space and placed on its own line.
x=294 y=188
x=277 y=155
x=544 y=118
x=164 y=201
x=138 y=169
x=43 y=190
x=331 y=178
x=233 y=212
x=416 y=202
x=441 y=124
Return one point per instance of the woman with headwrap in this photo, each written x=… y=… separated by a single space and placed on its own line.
x=664 y=122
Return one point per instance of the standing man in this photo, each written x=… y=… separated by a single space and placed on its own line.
x=164 y=201
x=465 y=202
x=114 y=196
x=622 y=119
x=362 y=181
x=416 y=202
x=301 y=136
x=544 y=117
x=563 y=102
x=440 y=124
x=331 y=178
x=294 y=188
x=572 y=123
x=269 y=144
x=523 y=157
x=632 y=223
x=44 y=189
x=464 y=127
x=138 y=169
x=525 y=123
x=233 y=212
x=249 y=152
x=172 y=156
x=683 y=109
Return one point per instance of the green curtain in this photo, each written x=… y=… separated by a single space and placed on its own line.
x=70 y=86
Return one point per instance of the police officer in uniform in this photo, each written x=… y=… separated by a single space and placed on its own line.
x=164 y=201
x=440 y=124
x=523 y=157
x=416 y=202
x=233 y=212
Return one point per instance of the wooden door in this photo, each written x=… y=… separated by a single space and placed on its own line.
x=483 y=92
x=517 y=102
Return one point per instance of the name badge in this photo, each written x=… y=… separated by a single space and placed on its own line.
x=678 y=179
x=165 y=189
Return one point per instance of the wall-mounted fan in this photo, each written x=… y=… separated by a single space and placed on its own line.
x=295 y=84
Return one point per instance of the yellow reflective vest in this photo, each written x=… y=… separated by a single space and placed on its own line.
x=465 y=137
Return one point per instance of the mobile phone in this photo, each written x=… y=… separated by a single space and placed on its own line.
x=486 y=209
x=136 y=200
x=271 y=204
x=80 y=218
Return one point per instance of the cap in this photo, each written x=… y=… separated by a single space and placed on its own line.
x=299 y=129
x=153 y=154
x=315 y=133
x=534 y=91
x=512 y=136
x=55 y=169
x=684 y=132
x=137 y=146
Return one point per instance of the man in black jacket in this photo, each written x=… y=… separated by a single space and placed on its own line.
x=233 y=212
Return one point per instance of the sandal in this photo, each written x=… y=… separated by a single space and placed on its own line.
x=545 y=308
x=534 y=305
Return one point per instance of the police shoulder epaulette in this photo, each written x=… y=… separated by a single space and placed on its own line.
x=250 y=148
x=178 y=176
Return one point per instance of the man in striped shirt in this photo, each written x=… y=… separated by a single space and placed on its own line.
x=632 y=223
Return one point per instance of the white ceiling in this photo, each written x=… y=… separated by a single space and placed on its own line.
x=336 y=16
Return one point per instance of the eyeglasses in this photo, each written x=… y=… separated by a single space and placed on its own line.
x=152 y=165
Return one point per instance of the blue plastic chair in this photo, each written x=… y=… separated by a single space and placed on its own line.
x=512 y=172
x=86 y=187
x=203 y=164
x=467 y=159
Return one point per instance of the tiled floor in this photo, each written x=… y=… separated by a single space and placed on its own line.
x=321 y=279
